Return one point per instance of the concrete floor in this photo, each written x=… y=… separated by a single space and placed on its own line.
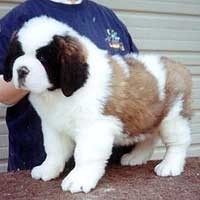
x=123 y=183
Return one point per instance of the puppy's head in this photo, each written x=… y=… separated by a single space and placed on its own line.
x=46 y=55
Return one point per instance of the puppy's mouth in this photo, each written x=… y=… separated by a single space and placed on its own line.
x=21 y=83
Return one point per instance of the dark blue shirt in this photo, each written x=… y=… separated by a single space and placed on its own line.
x=95 y=21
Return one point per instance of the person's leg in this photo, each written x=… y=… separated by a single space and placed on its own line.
x=26 y=148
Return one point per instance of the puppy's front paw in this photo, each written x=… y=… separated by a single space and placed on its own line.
x=46 y=171
x=168 y=169
x=81 y=180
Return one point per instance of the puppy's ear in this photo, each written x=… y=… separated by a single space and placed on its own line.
x=73 y=65
x=14 y=51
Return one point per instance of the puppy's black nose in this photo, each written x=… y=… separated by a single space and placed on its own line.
x=22 y=72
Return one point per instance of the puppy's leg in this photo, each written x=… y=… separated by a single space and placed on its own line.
x=141 y=152
x=175 y=133
x=94 y=147
x=59 y=148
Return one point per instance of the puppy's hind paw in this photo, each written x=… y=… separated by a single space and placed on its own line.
x=134 y=158
x=168 y=169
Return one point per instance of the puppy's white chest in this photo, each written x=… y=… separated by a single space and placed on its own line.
x=54 y=111
x=63 y=114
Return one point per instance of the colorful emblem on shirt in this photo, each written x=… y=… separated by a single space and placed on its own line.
x=114 y=40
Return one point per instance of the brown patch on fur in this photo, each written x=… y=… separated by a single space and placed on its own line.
x=135 y=99
x=73 y=61
x=71 y=48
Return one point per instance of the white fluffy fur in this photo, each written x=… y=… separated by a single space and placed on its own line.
x=77 y=125
x=31 y=31
x=123 y=64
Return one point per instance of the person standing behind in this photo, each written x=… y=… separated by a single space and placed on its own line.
x=93 y=20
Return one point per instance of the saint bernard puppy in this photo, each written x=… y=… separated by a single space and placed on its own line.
x=89 y=101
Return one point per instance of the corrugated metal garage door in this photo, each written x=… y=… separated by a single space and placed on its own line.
x=170 y=27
